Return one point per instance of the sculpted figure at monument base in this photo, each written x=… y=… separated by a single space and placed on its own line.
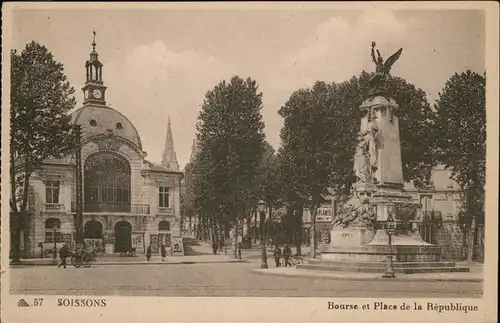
x=355 y=212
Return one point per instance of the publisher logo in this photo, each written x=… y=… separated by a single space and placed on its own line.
x=22 y=303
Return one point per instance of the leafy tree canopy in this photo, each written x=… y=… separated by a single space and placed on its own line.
x=230 y=135
x=460 y=134
x=41 y=98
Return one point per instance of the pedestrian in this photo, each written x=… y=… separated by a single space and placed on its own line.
x=287 y=252
x=221 y=244
x=214 y=246
x=148 y=252
x=63 y=253
x=277 y=255
x=240 y=241
x=163 y=252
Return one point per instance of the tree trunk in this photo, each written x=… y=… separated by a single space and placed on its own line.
x=471 y=239
x=262 y=228
x=298 y=232
x=254 y=226
x=15 y=236
x=205 y=227
x=314 y=211
x=290 y=225
x=269 y=227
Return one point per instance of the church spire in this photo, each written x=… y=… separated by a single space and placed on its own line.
x=194 y=150
x=169 y=159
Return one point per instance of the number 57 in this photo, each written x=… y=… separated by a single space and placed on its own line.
x=38 y=302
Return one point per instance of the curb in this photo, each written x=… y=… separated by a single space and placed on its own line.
x=397 y=279
x=169 y=263
x=133 y=263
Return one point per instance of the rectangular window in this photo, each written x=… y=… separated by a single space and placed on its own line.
x=107 y=194
x=163 y=197
x=52 y=192
x=118 y=195
x=93 y=194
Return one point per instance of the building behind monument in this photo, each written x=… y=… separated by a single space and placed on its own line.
x=128 y=201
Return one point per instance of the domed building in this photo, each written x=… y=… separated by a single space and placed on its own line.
x=128 y=202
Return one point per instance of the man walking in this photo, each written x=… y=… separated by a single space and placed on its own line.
x=214 y=246
x=63 y=253
x=163 y=252
x=148 y=252
x=287 y=253
x=238 y=244
x=222 y=244
x=277 y=255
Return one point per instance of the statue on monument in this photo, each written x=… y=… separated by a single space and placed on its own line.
x=382 y=68
x=366 y=158
x=355 y=212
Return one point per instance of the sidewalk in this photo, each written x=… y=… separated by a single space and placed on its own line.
x=256 y=251
x=473 y=276
x=139 y=260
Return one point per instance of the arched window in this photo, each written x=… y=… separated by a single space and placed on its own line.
x=93 y=230
x=52 y=229
x=107 y=183
x=164 y=226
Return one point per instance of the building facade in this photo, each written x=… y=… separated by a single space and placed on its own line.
x=441 y=221
x=128 y=201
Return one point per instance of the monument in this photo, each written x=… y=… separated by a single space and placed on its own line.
x=359 y=239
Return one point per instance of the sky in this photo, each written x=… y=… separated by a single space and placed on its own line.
x=160 y=63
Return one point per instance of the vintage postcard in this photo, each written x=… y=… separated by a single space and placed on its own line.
x=249 y=162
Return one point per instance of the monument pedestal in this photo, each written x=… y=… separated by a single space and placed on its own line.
x=348 y=253
x=364 y=245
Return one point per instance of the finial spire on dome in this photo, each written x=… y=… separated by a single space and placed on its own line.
x=93 y=40
x=169 y=159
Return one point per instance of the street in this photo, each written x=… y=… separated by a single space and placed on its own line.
x=221 y=279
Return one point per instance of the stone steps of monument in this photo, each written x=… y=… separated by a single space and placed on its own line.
x=382 y=268
x=378 y=264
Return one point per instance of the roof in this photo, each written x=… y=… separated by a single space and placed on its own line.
x=98 y=120
x=160 y=168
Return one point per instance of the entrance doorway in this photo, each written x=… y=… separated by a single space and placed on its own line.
x=123 y=236
x=164 y=237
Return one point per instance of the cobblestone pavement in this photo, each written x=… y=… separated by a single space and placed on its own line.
x=229 y=279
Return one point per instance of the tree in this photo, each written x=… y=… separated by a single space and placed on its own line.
x=315 y=144
x=230 y=136
x=268 y=184
x=460 y=141
x=187 y=193
x=41 y=97
x=289 y=196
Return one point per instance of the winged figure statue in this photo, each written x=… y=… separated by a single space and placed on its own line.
x=382 y=68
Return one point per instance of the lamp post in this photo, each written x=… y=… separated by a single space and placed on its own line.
x=54 y=228
x=262 y=211
x=390 y=226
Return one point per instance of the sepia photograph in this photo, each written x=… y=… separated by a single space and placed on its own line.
x=261 y=152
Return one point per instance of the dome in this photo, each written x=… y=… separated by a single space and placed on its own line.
x=98 y=120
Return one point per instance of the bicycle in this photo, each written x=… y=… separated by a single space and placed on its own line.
x=82 y=258
x=296 y=260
